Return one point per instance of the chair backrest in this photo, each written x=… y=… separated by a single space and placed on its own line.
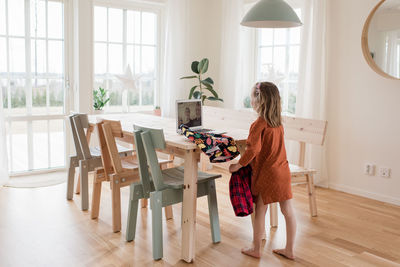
x=153 y=139
x=80 y=122
x=105 y=154
x=111 y=130
x=142 y=160
x=75 y=137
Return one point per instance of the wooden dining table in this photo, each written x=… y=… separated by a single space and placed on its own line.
x=181 y=147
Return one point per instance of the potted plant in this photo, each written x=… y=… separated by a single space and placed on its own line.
x=100 y=99
x=199 y=90
x=157 y=111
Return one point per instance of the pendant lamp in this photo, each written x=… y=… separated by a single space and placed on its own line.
x=271 y=14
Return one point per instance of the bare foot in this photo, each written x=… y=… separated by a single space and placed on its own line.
x=284 y=253
x=252 y=252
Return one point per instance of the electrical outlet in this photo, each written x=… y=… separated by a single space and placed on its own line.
x=369 y=169
x=384 y=172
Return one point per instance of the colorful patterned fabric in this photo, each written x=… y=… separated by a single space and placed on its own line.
x=218 y=147
x=240 y=193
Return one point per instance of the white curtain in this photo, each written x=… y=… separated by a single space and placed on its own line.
x=391 y=56
x=311 y=96
x=175 y=59
x=3 y=147
x=237 y=72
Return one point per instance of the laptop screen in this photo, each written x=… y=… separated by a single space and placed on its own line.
x=189 y=113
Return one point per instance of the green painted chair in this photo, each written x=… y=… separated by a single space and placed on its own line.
x=164 y=187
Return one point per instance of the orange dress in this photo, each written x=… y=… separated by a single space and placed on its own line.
x=265 y=151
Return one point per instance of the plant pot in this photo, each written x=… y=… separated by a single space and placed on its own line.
x=98 y=111
x=157 y=112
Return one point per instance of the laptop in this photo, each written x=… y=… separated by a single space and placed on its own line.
x=190 y=113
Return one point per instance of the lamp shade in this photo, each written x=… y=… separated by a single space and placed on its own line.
x=271 y=14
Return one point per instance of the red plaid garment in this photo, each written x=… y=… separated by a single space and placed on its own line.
x=240 y=193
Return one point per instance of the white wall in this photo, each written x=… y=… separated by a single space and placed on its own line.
x=204 y=38
x=363 y=109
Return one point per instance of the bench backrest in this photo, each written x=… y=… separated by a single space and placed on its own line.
x=305 y=131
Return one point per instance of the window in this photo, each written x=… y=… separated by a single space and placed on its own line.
x=32 y=82
x=122 y=38
x=278 y=52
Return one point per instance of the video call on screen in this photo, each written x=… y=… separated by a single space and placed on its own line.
x=189 y=114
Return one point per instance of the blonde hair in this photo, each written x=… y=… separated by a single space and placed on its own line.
x=268 y=103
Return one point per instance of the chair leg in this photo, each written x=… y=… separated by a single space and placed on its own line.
x=171 y=157
x=116 y=204
x=71 y=177
x=273 y=215
x=78 y=185
x=311 y=195
x=132 y=216
x=156 y=213
x=168 y=212
x=213 y=212
x=204 y=162
x=96 y=196
x=83 y=167
x=143 y=202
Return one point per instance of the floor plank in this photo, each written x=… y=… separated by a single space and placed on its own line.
x=38 y=227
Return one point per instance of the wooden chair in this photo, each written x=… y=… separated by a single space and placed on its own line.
x=168 y=188
x=86 y=158
x=119 y=171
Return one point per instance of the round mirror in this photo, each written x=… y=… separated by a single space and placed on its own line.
x=381 y=39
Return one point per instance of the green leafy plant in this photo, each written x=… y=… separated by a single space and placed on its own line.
x=100 y=98
x=247 y=102
x=199 y=91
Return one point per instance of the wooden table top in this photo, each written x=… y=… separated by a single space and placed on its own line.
x=172 y=138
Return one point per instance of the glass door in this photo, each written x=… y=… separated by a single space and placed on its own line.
x=33 y=83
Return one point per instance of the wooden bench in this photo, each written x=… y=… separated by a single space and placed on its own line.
x=304 y=131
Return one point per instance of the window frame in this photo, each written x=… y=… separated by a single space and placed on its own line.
x=28 y=75
x=257 y=62
x=152 y=6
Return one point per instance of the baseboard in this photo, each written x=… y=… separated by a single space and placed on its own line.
x=363 y=193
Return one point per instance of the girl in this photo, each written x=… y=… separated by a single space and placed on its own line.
x=271 y=181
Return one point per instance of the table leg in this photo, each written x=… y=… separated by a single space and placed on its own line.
x=189 y=205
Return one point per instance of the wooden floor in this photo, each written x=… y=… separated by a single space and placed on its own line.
x=38 y=227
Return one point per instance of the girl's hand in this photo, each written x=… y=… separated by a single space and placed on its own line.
x=234 y=167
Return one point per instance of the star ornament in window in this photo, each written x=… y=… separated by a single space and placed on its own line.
x=271 y=75
x=128 y=80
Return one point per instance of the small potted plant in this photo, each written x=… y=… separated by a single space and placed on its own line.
x=199 y=90
x=157 y=111
x=100 y=99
